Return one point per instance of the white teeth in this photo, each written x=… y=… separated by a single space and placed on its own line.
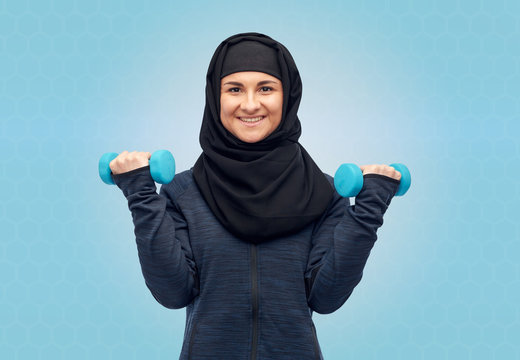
x=252 y=119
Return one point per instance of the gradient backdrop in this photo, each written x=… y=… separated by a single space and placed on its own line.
x=432 y=84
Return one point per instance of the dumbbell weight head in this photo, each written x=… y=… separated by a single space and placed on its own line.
x=104 y=167
x=348 y=180
x=406 y=178
x=162 y=166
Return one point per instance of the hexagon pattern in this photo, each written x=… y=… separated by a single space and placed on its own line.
x=432 y=84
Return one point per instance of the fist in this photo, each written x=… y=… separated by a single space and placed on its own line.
x=381 y=170
x=126 y=161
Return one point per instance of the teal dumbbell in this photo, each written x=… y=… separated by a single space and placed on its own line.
x=162 y=167
x=348 y=180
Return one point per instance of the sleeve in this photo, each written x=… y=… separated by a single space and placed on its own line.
x=162 y=240
x=342 y=241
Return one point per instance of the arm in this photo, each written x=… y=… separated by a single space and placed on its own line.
x=163 y=246
x=342 y=241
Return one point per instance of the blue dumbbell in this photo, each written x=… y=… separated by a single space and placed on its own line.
x=348 y=180
x=162 y=167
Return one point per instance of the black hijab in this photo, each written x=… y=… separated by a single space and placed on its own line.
x=264 y=190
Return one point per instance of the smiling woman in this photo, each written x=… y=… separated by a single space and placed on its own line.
x=253 y=172
x=251 y=105
x=253 y=238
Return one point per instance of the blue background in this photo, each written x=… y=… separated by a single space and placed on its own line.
x=432 y=84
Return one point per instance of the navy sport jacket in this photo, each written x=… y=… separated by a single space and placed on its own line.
x=247 y=301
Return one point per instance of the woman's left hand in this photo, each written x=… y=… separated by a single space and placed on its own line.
x=381 y=170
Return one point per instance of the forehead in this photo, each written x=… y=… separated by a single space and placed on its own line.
x=248 y=76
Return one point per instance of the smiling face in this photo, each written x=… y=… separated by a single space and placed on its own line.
x=251 y=104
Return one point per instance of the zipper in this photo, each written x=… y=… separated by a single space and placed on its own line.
x=191 y=340
x=254 y=296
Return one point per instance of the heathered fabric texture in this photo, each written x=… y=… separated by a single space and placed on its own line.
x=190 y=260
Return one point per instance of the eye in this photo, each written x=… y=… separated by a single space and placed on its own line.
x=235 y=89
x=266 y=88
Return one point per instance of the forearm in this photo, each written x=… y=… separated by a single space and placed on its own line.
x=167 y=272
x=332 y=282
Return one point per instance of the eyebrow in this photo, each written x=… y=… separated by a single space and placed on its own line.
x=236 y=83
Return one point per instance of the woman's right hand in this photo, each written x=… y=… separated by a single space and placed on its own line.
x=128 y=161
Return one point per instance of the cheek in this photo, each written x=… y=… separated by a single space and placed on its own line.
x=223 y=116
x=226 y=107
x=277 y=107
x=223 y=112
x=222 y=106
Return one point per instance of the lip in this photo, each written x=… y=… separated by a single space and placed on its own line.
x=251 y=117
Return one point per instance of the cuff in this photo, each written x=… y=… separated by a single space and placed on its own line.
x=383 y=177
x=135 y=180
x=384 y=185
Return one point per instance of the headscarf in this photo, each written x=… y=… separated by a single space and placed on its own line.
x=258 y=191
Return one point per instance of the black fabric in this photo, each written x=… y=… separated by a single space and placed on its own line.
x=251 y=56
x=388 y=178
x=263 y=190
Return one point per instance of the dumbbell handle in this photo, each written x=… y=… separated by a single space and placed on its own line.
x=162 y=167
x=348 y=179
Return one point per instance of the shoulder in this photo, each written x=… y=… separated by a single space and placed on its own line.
x=181 y=183
x=337 y=202
x=334 y=211
x=329 y=178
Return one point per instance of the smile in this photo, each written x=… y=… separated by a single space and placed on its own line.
x=251 y=120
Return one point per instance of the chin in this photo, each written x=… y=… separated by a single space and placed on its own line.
x=251 y=139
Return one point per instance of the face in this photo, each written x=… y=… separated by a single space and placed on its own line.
x=251 y=104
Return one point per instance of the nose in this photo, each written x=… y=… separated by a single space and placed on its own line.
x=250 y=103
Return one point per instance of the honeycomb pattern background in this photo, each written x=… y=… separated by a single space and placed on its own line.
x=432 y=84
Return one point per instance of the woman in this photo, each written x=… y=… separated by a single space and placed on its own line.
x=253 y=238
